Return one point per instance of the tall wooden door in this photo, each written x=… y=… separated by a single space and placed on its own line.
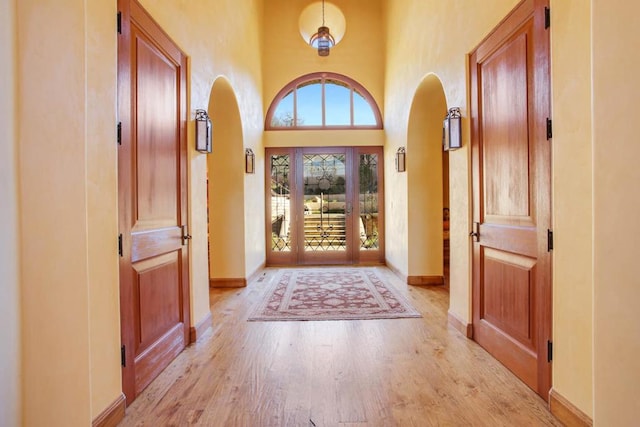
x=152 y=186
x=511 y=194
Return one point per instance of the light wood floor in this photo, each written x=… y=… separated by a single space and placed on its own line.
x=400 y=372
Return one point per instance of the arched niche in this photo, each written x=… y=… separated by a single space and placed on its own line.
x=225 y=201
x=425 y=183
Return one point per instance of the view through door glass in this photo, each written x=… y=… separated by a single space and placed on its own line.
x=369 y=202
x=279 y=208
x=324 y=205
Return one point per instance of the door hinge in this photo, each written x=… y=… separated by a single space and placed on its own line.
x=549 y=129
x=123 y=356
x=547 y=18
x=120 y=244
x=475 y=233
x=549 y=240
x=549 y=351
x=185 y=235
x=119 y=132
x=119 y=22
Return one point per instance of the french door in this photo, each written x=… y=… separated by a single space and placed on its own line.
x=324 y=205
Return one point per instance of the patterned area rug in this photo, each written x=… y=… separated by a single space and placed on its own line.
x=332 y=294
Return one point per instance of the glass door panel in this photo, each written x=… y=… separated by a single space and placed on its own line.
x=279 y=214
x=324 y=179
x=368 y=203
x=369 y=213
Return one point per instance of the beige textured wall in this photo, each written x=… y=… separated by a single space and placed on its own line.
x=68 y=187
x=222 y=39
x=9 y=231
x=334 y=137
x=616 y=202
x=53 y=150
x=358 y=55
x=572 y=203
x=65 y=79
x=226 y=185
x=70 y=330
x=420 y=41
x=287 y=56
x=102 y=204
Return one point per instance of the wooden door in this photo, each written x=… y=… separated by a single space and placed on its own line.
x=511 y=194
x=152 y=187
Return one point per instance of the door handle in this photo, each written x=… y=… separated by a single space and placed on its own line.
x=476 y=232
x=185 y=235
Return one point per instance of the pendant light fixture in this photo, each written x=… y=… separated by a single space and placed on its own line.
x=322 y=40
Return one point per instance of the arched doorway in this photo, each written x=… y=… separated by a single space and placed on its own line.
x=426 y=184
x=225 y=189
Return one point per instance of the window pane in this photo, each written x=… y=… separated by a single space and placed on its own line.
x=310 y=104
x=368 y=199
x=362 y=113
x=283 y=116
x=337 y=103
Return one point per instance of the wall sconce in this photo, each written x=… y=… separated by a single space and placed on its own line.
x=203 y=132
x=451 y=130
x=249 y=161
x=401 y=160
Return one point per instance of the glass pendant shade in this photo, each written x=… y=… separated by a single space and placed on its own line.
x=323 y=41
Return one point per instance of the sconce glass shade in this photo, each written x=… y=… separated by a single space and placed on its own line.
x=249 y=161
x=323 y=41
x=203 y=132
x=451 y=130
x=401 y=160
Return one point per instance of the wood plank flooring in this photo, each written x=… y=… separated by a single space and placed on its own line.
x=398 y=372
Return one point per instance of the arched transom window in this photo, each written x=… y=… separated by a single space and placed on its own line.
x=323 y=100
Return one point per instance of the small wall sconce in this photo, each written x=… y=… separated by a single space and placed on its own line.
x=401 y=160
x=249 y=161
x=451 y=130
x=203 y=132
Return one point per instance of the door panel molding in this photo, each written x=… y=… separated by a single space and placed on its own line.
x=157 y=356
